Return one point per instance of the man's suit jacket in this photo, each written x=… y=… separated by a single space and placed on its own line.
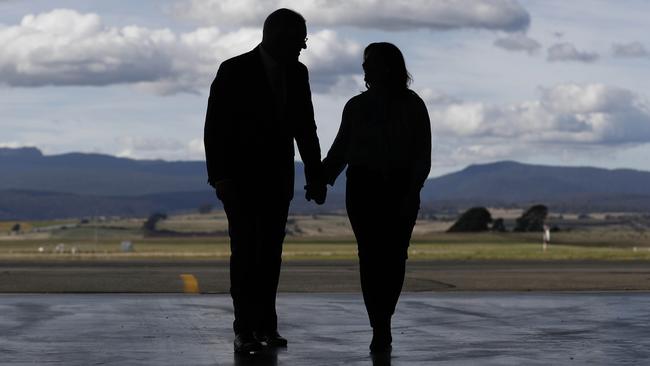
x=246 y=140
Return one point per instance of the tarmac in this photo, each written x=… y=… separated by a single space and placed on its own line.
x=430 y=328
x=328 y=276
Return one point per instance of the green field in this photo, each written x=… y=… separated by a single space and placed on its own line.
x=318 y=237
x=442 y=247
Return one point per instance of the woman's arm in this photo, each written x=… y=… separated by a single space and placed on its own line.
x=422 y=161
x=336 y=159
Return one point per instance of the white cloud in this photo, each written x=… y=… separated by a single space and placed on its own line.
x=589 y=98
x=160 y=147
x=506 y=15
x=437 y=98
x=518 y=42
x=64 y=47
x=629 y=50
x=196 y=147
x=566 y=114
x=455 y=153
x=568 y=52
x=14 y=144
x=567 y=122
x=149 y=144
x=334 y=56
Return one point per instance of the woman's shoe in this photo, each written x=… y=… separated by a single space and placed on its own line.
x=381 y=340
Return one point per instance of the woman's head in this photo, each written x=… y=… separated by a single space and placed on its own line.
x=383 y=65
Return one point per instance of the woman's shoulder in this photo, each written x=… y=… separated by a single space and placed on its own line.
x=356 y=101
x=362 y=99
x=359 y=97
x=413 y=97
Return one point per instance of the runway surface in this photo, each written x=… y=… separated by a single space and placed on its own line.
x=488 y=328
x=157 y=276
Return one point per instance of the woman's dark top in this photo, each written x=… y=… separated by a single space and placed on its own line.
x=384 y=132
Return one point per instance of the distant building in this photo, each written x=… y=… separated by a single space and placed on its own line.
x=126 y=246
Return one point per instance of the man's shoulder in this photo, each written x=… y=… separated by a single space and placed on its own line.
x=240 y=60
x=298 y=68
x=301 y=66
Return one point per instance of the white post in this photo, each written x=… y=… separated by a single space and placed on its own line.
x=546 y=237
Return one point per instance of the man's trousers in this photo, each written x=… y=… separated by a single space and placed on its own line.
x=256 y=226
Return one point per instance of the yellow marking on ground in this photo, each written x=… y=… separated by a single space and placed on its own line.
x=190 y=284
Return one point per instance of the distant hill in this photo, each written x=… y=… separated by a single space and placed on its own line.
x=97 y=174
x=509 y=183
x=37 y=186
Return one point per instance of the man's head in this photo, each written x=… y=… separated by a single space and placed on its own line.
x=285 y=35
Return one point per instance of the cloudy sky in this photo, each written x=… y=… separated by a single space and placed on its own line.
x=539 y=81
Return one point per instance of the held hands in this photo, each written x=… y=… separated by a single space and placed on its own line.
x=317 y=192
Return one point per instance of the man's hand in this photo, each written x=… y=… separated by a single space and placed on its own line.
x=317 y=192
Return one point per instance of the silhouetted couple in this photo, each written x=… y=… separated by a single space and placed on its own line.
x=260 y=102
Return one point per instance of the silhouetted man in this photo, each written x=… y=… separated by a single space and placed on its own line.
x=259 y=103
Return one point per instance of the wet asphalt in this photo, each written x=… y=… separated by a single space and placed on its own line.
x=462 y=328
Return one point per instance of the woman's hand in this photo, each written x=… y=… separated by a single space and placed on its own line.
x=317 y=192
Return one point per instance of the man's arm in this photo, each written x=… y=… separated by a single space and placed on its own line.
x=308 y=144
x=218 y=130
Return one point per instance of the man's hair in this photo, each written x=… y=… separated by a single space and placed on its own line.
x=281 y=20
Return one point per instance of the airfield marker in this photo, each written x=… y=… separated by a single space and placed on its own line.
x=546 y=238
x=190 y=284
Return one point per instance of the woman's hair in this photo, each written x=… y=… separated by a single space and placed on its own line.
x=383 y=64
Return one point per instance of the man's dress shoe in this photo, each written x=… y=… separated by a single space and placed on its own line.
x=272 y=339
x=246 y=343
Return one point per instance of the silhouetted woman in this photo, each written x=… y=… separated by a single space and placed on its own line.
x=385 y=140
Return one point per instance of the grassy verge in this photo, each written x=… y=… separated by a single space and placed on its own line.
x=446 y=248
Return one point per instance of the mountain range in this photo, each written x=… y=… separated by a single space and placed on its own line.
x=37 y=186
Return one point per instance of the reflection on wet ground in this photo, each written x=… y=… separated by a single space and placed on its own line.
x=329 y=329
